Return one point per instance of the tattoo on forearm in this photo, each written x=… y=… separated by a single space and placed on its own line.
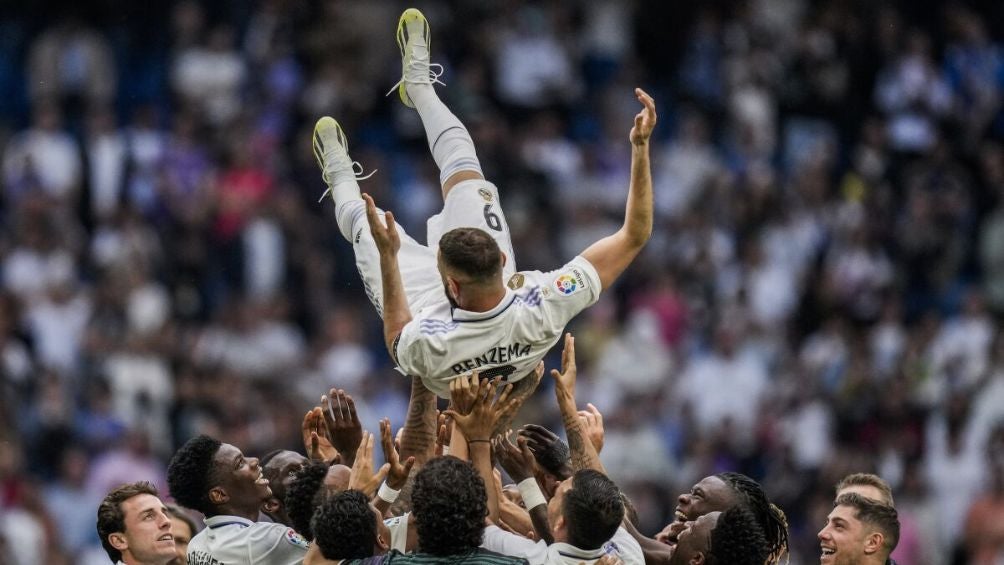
x=419 y=435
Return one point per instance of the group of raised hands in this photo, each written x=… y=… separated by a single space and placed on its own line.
x=475 y=427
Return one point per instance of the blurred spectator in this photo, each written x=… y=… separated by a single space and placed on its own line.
x=73 y=64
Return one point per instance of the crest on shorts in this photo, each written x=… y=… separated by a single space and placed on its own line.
x=296 y=539
x=516 y=281
x=486 y=194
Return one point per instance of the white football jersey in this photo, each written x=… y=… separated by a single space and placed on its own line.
x=441 y=342
x=232 y=540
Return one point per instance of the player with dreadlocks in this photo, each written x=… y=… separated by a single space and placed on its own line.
x=718 y=493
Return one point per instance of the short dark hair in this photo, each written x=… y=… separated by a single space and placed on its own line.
x=592 y=508
x=190 y=473
x=874 y=513
x=737 y=539
x=302 y=496
x=176 y=512
x=472 y=252
x=870 y=480
x=344 y=526
x=449 y=504
x=768 y=515
x=555 y=459
x=111 y=518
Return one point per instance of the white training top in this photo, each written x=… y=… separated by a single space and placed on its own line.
x=441 y=342
x=232 y=540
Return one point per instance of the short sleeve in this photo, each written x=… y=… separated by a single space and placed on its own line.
x=568 y=290
x=500 y=541
x=275 y=543
x=409 y=350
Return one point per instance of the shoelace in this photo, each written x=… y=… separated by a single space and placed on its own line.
x=435 y=71
x=357 y=170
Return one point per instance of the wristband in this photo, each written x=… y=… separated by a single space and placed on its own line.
x=387 y=494
x=446 y=450
x=530 y=491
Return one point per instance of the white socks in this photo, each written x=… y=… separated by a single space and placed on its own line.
x=451 y=145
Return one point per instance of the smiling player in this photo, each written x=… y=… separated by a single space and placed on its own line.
x=218 y=480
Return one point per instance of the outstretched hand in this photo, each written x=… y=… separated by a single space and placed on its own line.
x=388 y=241
x=397 y=472
x=486 y=409
x=564 y=382
x=362 y=477
x=592 y=426
x=316 y=440
x=517 y=460
x=344 y=429
x=644 y=122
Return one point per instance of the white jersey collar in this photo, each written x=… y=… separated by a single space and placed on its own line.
x=219 y=521
x=461 y=315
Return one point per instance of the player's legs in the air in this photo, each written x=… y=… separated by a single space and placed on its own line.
x=470 y=201
x=417 y=262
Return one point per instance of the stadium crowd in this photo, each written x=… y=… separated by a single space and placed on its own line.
x=821 y=295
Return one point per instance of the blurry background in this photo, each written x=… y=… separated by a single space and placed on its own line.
x=822 y=293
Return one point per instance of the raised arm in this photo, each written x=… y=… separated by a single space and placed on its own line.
x=612 y=254
x=418 y=439
x=395 y=304
x=583 y=453
x=477 y=425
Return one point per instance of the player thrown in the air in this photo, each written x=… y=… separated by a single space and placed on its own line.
x=472 y=309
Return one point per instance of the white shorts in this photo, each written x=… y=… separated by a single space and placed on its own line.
x=471 y=203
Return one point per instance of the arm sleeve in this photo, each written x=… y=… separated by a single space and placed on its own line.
x=568 y=290
x=627 y=548
x=410 y=350
x=500 y=541
x=276 y=543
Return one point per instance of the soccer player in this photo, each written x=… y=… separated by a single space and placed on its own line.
x=134 y=526
x=870 y=486
x=183 y=529
x=859 y=531
x=464 y=289
x=228 y=488
x=733 y=537
x=279 y=467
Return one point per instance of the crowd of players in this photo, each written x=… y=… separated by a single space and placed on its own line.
x=887 y=358
x=441 y=497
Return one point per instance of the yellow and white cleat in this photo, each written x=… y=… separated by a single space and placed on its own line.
x=414 y=38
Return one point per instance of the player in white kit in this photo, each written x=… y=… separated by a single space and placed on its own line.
x=472 y=309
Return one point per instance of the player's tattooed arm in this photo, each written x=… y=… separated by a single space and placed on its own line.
x=418 y=439
x=522 y=389
x=396 y=314
x=583 y=453
x=613 y=254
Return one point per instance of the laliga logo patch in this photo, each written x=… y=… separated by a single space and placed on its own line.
x=296 y=539
x=565 y=284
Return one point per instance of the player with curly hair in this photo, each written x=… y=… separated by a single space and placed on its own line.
x=303 y=496
x=449 y=506
x=347 y=526
x=733 y=537
x=216 y=479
